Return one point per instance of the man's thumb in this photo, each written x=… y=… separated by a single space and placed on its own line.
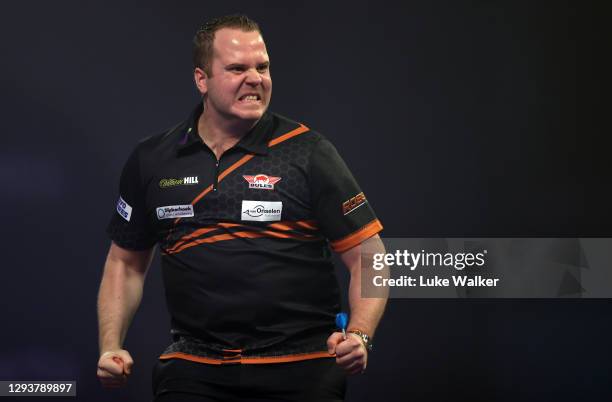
x=332 y=341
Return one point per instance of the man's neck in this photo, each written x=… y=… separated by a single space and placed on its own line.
x=220 y=134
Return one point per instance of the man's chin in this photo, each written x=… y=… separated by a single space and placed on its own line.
x=250 y=115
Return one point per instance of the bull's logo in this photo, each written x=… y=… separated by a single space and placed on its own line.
x=261 y=181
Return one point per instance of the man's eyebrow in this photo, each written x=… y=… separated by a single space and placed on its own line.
x=234 y=65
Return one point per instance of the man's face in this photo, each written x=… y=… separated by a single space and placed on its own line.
x=240 y=85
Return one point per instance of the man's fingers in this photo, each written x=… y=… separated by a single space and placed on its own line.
x=114 y=366
x=113 y=382
x=116 y=362
x=112 y=370
x=351 y=355
x=127 y=366
x=346 y=347
x=110 y=367
x=348 y=359
x=127 y=361
x=103 y=374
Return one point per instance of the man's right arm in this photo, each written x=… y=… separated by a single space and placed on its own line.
x=118 y=299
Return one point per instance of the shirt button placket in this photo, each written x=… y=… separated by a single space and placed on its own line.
x=216 y=176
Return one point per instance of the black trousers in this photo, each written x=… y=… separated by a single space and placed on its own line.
x=316 y=380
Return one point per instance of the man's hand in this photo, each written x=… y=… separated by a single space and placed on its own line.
x=114 y=367
x=351 y=353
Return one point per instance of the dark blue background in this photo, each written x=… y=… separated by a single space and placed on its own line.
x=457 y=118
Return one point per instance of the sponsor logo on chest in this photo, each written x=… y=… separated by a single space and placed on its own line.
x=185 y=181
x=174 y=211
x=261 y=211
x=261 y=181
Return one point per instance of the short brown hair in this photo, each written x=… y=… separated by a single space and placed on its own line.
x=204 y=38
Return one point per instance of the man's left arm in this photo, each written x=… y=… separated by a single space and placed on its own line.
x=352 y=354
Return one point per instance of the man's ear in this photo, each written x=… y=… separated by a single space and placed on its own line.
x=201 y=80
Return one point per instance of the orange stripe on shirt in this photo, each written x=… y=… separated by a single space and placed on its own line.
x=280 y=226
x=307 y=225
x=300 y=130
x=201 y=231
x=243 y=234
x=190 y=236
x=235 y=166
x=357 y=237
x=289 y=225
x=284 y=226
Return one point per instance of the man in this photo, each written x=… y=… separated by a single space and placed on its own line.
x=244 y=205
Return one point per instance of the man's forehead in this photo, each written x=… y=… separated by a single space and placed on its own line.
x=235 y=40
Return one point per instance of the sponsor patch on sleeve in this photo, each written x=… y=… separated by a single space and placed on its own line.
x=175 y=211
x=353 y=203
x=124 y=209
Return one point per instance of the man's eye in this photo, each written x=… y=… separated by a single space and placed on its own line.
x=237 y=69
x=262 y=69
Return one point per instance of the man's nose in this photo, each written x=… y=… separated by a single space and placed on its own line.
x=253 y=77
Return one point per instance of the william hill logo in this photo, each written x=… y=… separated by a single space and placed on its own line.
x=185 y=181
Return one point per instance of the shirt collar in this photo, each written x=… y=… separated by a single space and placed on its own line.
x=255 y=141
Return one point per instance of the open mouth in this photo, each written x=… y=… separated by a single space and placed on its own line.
x=250 y=98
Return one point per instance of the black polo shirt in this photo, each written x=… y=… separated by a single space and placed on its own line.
x=245 y=240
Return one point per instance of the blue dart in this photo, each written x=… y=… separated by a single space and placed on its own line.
x=341 y=322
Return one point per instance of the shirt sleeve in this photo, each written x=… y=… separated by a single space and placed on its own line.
x=340 y=207
x=128 y=226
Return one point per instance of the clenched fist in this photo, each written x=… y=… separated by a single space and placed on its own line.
x=114 y=367
x=351 y=353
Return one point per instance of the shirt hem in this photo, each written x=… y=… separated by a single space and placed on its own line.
x=355 y=238
x=239 y=359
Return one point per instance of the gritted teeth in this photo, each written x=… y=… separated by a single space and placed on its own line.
x=250 y=97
